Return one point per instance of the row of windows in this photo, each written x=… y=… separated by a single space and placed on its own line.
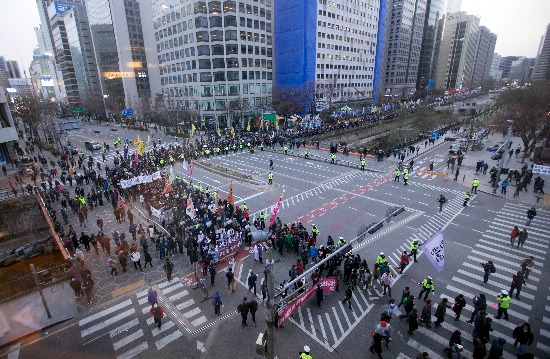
x=322 y=45
x=351 y=9
x=349 y=20
x=344 y=67
x=346 y=39
x=346 y=29
x=218 y=63
x=344 y=58
x=218 y=90
x=204 y=50
x=343 y=76
x=217 y=76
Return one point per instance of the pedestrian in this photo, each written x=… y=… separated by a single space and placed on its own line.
x=387 y=281
x=442 y=200
x=488 y=268
x=243 y=308
x=148 y=258
x=517 y=282
x=99 y=223
x=93 y=242
x=76 y=285
x=168 y=268
x=426 y=315
x=479 y=349
x=522 y=238
x=412 y=319
x=456 y=338
x=466 y=199
x=440 y=311
x=376 y=346
x=88 y=286
x=423 y=355
x=497 y=348
x=305 y=353
x=475 y=184
x=480 y=304
x=458 y=305
x=112 y=263
x=253 y=305
x=136 y=258
x=504 y=185
x=454 y=352
x=523 y=335
x=230 y=280
x=152 y=297
x=427 y=286
x=513 y=235
x=251 y=281
x=404 y=296
x=212 y=271
x=531 y=213
x=217 y=302
x=403 y=261
x=527 y=263
x=158 y=313
x=503 y=300
x=122 y=260
x=414 y=249
x=349 y=294
x=258 y=249
x=319 y=295
x=263 y=290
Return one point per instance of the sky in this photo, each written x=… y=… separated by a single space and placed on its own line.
x=519 y=25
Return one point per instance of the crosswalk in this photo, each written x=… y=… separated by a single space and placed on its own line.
x=494 y=244
x=131 y=327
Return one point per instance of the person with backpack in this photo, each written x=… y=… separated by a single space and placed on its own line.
x=522 y=238
x=217 y=302
x=152 y=297
x=230 y=280
x=488 y=268
x=527 y=263
x=404 y=296
x=158 y=313
x=251 y=281
x=442 y=200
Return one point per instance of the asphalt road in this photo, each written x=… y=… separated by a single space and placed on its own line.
x=338 y=200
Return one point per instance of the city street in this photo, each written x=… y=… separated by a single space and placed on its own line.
x=338 y=200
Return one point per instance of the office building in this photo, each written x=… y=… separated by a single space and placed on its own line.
x=20 y=87
x=8 y=132
x=457 y=53
x=494 y=72
x=404 y=40
x=3 y=73
x=541 y=69
x=331 y=44
x=505 y=65
x=74 y=52
x=215 y=58
x=12 y=69
x=485 y=48
x=521 y=70
x=433 y=23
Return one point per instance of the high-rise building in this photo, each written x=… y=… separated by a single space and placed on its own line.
x=506 y=64
x=521 y=70
x=541 y=69
x=494 y=72
x=404 y=40
x=12 y=68
x=3 y=73
x=453 y=6
x=485 y=48
x=435 y=13
x=8 y=131
x=215 y=58
x=457 y=53
x=20 y=87
x=331 y=44
x=123 y=37
x=74 y=51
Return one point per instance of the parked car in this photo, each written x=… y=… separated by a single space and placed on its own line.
x=92 y=146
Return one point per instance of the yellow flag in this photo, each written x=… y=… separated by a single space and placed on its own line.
x=141 y=148
x=232 y=132
x=219 y=132
x=193 y=128
x=248 y=126
x=137 y=140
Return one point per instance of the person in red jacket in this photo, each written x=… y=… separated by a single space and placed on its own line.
x=157 y=313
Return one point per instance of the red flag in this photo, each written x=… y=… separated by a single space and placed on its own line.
x=275 y=210
x=230 y=198
x=192 y=167
x=167 y=187
x=136 y=158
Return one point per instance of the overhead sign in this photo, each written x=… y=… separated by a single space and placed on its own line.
x=61 y=7
x=78 y=110
x=127 y=112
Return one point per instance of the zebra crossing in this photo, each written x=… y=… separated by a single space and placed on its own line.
x=131 y=327
x=494 y=245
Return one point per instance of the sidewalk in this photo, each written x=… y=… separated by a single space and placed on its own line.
x=26 y=315
x=467 y=171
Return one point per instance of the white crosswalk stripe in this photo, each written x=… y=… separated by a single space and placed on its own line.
x=494 y=244
x=134 y=331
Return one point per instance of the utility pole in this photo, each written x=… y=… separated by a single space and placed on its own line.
x=502 y=158
x=271 y=307
x=39 y=286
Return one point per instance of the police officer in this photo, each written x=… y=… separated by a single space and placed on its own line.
x=286 y=149
x=414 y=249
x=381 y=259
x=503 y=300
x=270 y=177
x=305 y=353
x=405 y=176
x=362 y=164
x=341 y=242
x=475 y=184
x=314 y=231
x=427 y=286
x=262 y=221
x=466 y=199
x=397 y=175
x=332 y=158
x=244 y=207
x=306 y=153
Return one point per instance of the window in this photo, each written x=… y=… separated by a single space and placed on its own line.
x=241 y=7
x=206 y=77
x=249 y=9
x=203 y=50
x=256 y=24
x=206 y=91
x=243 y=35
x=200 y=7
x=205 y=64
x=201 y=21
x=256 y=10
x=219 y=90
x=268 y=27
x=217 y=50
x=243 y=62
x=231 y=49
x=218 y=63
x=242 y=22
x=233 y=89
x=208 y=105
x=232 y=76
x=245 y=88
x=229 y=6
x=219 y=76
x=202 y=36
x=216 y=35
x=244 y=77
x=215 y=21
x=269 y=40
x=268 y=14
x=232 y=62
x=230 y=21
x=249 y=23
x=214 y=7
x=231 y=35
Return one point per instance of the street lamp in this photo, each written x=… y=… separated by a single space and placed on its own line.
x=502 y=157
